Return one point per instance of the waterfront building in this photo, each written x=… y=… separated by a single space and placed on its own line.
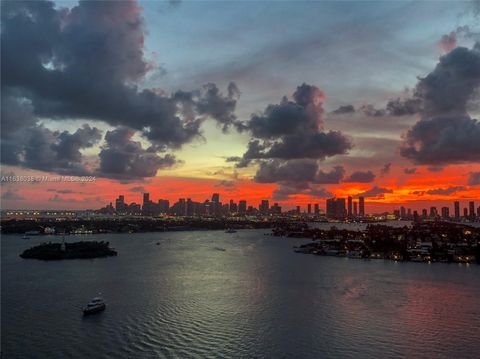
x=276 y=209
x=424 y=213
x=445 y=212
x=264 y=206
x=242 y=206
x=361 y=206
x=457 y=210
x=163 y=205
x=120 y=204
x=336 y=208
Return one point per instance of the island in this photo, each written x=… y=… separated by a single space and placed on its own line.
x=77 y=250
x=429 y=241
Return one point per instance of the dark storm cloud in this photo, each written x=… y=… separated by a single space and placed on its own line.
x=68 y=145
x=123 y=158
x=395 y=107
x=282 y=171
x=361 y=177
x=293 y=129
x=375 y=192
x=284 y=191
x=40 y=148
x=386 y=169
x=410 y=171
x=449 y=87
x=370 y=110
x=289 y=142
x=344 y=110
x=297 y=171
x=332 y=177
x=214 y=104
x=443 y=140
x=446 y=133
x=474 y=179
x=86 y=62
x=403 y=107
x=446 y=191
x=16 y=113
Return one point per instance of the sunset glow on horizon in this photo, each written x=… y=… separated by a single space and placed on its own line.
x=312 y=100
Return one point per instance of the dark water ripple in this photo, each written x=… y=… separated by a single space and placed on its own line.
x=185 y=299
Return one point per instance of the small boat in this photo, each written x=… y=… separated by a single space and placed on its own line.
x=158 y=243
x=96 y=305
x=25 y=237
x=230 y=230
x=220 y=249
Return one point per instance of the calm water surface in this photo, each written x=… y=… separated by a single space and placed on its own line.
x=257 y=299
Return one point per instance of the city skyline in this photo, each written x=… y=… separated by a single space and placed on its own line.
x=333 y=208
x=378 y=105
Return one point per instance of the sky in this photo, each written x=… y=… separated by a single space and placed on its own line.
x=289 y=101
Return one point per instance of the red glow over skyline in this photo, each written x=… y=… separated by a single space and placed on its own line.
x=412 y=192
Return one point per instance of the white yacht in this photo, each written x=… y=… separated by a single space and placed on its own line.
x=94 y=306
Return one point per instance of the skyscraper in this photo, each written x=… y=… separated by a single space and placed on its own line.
x=471 y=205
x=216 y=197
x=242 y=206
x=309 y=208
x=233 y=206
x=361 y=206
x=317 y=209
x=189 y=208
x=355 y=210
x=403 y=212
x=120 y=204
x=276 y=209
x=336 y=208
x=264 y=206
x=349 y=207
x=164 y=205
x=445 y=212
x=146 y=203
x=457 y=210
